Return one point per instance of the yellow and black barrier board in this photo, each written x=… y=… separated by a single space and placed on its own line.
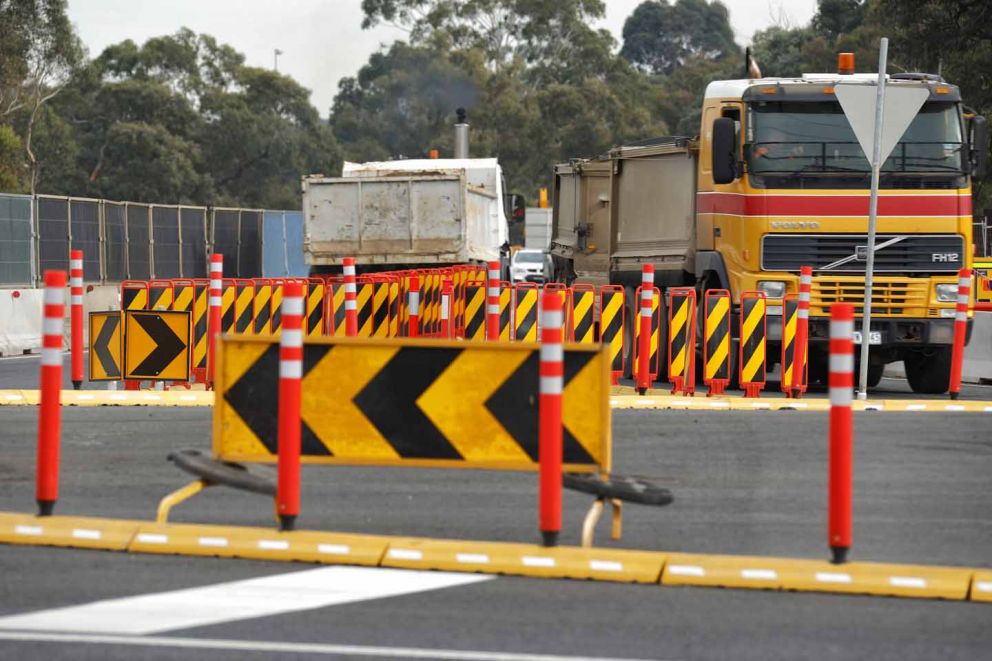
x=183 y=294
x=243 y=307
x=505 y=312
x=261 y=315
x=716 y=341
x=200 y=307
x=611 y=320
x=525 y=313
x=380 y=309
x=228 y=297
x=275 y=305
x=364 y=302
x=411 y=402
x=583 y=300
x=475 y=311
x=790 y=319
x=394 y=309
x=753 y=333
x=337 y=317
x=681 y=341
x=157 y=345
x=315 y=308
x=655 y=333
x=105 y=346
x=160 y=295
x=134 y=295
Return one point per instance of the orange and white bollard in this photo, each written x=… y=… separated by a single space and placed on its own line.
x=413 y=307
x=49 y=411
x=215 y=294
x=841 y=456
x=350 y=298
x=644 y=337
x=447 y=293
x=550 y=450
x=960 y=331
x=290 y=379
x=492 y=303
x=76 y=316
x=802 y=333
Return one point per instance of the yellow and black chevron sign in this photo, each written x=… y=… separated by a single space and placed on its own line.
x=753 y=331
x=611 y=320
x=475 y=311
x=525 y=313
x=411 y=402
x=105 y=346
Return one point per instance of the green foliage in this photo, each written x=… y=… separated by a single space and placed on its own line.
x=13 y=169
x=660 y=38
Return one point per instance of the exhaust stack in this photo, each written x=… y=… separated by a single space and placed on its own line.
x=461 y=135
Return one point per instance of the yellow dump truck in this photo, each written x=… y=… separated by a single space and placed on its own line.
x=776 y=180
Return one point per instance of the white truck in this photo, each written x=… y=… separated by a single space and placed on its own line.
x=405 y=214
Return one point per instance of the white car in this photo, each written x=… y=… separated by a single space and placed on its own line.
x=530 y=265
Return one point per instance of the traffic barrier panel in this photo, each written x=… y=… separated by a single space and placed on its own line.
x=76 y=317
x=582 y=306
x=753 y=331
x=793 y=384
x=654 y=296
x=363 y=301
x=380 y=309
x=201 y=307
x=315 y=315
x=49 y=410
x=682 y=340
x=960 y=331
x=394 y=307
x=505 y=312
x=401 y=402
x=134 y=295
x=229 y=296
x=243 y=306
x=336 y=314
x=525 y=303
x=716 y=340
x=184 y=294
x=160 y=295
x=105 y=346
x=562 y=291
x=612 y=318
x=475 y=310
x=261 y=313
x=275 y=303
x=841 y=440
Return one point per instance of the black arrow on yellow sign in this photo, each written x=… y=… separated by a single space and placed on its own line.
x=156 y=344
x=102 y=346
x=387 y=403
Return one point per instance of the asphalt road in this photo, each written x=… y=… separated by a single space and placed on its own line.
x=744 y=482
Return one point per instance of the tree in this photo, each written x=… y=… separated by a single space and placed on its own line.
x=39 y=54
x=12 y=167
x=836 y=17
x=659 y=37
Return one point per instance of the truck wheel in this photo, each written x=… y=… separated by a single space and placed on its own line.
x=875 y=374
x=929 y=371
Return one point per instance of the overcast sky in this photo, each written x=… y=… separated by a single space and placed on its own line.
x=322 y=40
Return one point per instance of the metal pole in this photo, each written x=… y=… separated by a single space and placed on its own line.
x=876 y=166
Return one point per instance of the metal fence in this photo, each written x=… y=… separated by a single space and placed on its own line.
x=128 y=240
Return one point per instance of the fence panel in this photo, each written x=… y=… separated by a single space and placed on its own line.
x=84 y=227
x=193 y=229
x=115 y=242
x=274 y=264
x=250 y=249
x=138 y=245
x=53 y=233
x=15 y=240
x=165 y=231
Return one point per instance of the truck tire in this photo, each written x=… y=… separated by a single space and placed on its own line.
x=875 y=374
x=929 y=371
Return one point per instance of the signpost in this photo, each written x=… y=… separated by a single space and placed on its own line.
x=861 y=104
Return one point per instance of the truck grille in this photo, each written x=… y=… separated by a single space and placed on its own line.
x=913 y=253
x=889 y=296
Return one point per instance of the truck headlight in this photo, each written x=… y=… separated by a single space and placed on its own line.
x=947 y=293
x=772 y=288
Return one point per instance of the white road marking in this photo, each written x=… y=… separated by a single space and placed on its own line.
x=152 y=538
x=472 y=558
x=831 y=577
x=605 y=565
x=295 y=648
x=759 y=574
x=686 y=570
x=907 y=582
x=334 y=549
x=537 y=561
x=237 y=600
x=406 y=554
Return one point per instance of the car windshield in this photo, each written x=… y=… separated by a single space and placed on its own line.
x=529 y=257
x=815 y=137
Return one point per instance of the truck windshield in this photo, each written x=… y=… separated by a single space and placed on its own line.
x=788 y=139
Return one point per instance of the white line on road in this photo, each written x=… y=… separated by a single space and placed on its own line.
x=237 y=600
x=296 y=648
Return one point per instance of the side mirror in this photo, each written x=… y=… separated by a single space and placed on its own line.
x=724 y=150
x=979 y=146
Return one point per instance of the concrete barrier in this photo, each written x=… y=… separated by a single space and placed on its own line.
x=977 y=366
x=20 y=316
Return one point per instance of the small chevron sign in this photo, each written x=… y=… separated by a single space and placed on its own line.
x=407 y=401
x=105 y=346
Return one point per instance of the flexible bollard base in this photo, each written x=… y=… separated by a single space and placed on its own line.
x=76 y=385
x=642 y=391
x=838 y=554
x=954 y=395
x=287 y=522
x=46 y=507
x=549 y=538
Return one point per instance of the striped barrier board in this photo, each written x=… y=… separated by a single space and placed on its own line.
x=653 y=357
x=364 y=294
x=228 y=297
x=243 y=306
x=682 y=340
x=525 y=312
x=134 y=295
x=430 y=403
x=314 y=308
x=275 y=304
x=505 y=312
x=200 y=308
x=160 y=295
x=582 y=305
x=790 y=321
x=612 y=317
x=335 y=296
x=716 y=340
x=753 y=333
x=475 y=311
x=261 y=313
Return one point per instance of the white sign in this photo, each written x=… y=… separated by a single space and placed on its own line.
x=901 y=105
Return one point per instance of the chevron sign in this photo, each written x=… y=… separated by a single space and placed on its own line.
x=395 y=402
